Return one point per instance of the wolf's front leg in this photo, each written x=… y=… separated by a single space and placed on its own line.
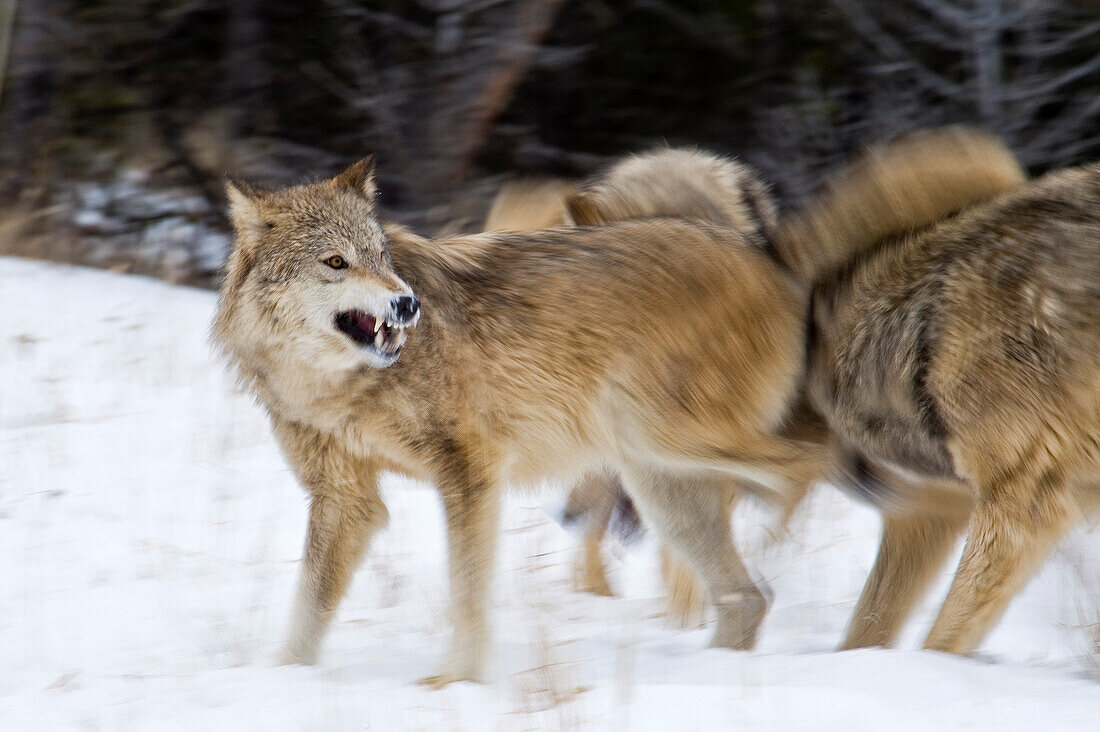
x=345 y=511
x=910 y=554
x=473 y=516
x=336 y=540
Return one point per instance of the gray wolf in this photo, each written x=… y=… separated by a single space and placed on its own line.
x=684 y=183
x=954 y=351
x=669 y=351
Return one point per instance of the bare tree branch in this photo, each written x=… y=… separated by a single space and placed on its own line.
x=532 y=21
x=946 y=13
x=706 y=32
x=1067 y=127
x=891 y=48
x=1061 y=44
x=7 y=19
x=1050 y=86
x=387 y=20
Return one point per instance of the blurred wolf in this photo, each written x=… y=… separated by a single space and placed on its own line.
x=666 y=350
x=952 y=351
x=524 y=206
x=957 y=363
x=665 y=182
x=684 y=183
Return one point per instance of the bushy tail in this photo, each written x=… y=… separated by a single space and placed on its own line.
x=679 y=183
x=524 y=206
x=894 y=494
x=891 y=189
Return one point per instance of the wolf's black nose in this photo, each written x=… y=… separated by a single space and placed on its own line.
x=406 y=307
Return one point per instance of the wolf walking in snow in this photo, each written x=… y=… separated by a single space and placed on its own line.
x=954 y=350
x=670 y=351
x=665 y=182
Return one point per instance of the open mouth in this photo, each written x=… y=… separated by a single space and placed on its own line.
x=371 y=331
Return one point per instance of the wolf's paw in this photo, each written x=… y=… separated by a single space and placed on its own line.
x=295 y=656
x=457 y=667
x=739 y=617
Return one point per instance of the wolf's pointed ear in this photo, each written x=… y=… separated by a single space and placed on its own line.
x=359 y=176
x=244 y=206
x=584 y=210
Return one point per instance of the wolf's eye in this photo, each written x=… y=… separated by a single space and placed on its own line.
x=336 y=262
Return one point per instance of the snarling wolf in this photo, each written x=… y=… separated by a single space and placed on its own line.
x=954 y=350
x=685 y=183
x=670 y=351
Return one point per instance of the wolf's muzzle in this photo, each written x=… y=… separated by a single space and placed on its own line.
x=406 y=308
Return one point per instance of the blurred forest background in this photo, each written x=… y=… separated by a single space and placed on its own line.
x=119 y=118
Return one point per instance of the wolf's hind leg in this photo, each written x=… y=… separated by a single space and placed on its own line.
x=683 y=595
x=912 y=550
x=341 y=525
x=590 y=575
x=593 y=497
x=1012 y=530
x=692 y=516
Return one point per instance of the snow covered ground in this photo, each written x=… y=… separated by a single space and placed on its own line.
x=149 y=536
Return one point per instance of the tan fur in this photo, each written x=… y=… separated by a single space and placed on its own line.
x=912 y=550
x=893 y=188
x=665 y=182
x=529 y=205
x=593 y=498
x=665 y=350
x=683 y=595
x=526 y=206
x=964 y=357
x=680 y=183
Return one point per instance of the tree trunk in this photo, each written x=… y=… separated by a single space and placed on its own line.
x=26 y=121
x=987 y=64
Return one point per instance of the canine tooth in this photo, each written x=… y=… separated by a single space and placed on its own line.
x=378 y=340
x=377 y=325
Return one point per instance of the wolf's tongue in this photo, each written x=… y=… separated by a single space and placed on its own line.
x=364 y=322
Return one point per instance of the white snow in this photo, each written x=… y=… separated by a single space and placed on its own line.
x=149 y=536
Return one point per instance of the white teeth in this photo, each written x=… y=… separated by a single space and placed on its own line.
x=377 y=325
x=378 y=340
